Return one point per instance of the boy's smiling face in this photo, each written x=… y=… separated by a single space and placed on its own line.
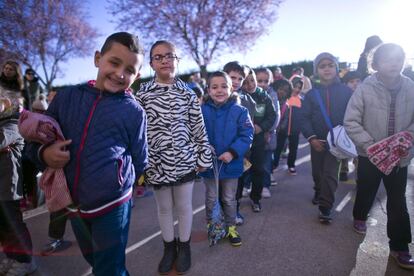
x=118 y=68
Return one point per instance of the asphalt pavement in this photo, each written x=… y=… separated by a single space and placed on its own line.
x=286 y=238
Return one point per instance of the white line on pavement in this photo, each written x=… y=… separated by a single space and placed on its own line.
x=35 y=212
x=304 y=145
x=147 y=239
x=302 y=160
x=344 y=201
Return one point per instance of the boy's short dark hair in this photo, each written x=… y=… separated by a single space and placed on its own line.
x=222 y=74
x=235 y=66
x=282 y=82
x=350 y=75
x=128 y=40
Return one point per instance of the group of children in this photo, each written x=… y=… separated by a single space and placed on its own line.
x=113 y=136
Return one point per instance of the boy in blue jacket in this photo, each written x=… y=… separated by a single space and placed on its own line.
x=335 y=97
x=230 y=133
x=105 y=150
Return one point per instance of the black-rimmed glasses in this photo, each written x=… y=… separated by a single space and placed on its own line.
x=160 y=58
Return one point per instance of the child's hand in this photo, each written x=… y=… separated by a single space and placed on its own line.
x=200 y=169
x=317 y=145
x=56 y=156
x=257 y=129
x=226 y=157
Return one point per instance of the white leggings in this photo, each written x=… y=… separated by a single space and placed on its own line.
x=181 y=198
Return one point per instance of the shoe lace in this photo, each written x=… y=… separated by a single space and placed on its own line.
x=233 y=232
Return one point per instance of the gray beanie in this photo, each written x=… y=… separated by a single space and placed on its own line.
x=320 y=57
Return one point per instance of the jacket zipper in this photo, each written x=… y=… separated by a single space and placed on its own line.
x=82 y=144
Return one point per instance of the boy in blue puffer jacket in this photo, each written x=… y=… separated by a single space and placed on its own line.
x=230 y=133
x=105 y=150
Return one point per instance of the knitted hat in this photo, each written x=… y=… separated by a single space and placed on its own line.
x=320 y=57
x=40 y=103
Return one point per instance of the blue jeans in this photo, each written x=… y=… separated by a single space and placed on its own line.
x=227 y=195
x=103 y=240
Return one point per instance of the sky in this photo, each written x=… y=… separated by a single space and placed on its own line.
x=304 y=29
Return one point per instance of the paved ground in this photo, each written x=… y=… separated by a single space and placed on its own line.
x=284 y=239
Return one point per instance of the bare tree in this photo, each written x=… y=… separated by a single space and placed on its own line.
x=43 y=34
x=204 y=28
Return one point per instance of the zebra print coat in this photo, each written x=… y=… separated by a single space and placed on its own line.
x=177 y=138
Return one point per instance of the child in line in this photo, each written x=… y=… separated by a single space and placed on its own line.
x=383 y=105
x=334 y=97
x=352 y=80
x=14 y=235
x=289 y=128
x=263 y=120
x=106 y=148
x=264 y=79
x=178 y=150
x=230 y=133
x=237 y=73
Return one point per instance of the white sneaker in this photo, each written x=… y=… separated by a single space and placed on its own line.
x=266 y=193
x=22 y=269
x=246 y=192
x=5 y=265
x=273 y=181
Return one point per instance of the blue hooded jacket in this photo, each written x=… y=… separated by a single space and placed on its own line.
x=229 y=128
x=108 y=149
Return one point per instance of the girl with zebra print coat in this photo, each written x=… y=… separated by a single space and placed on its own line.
x=178 y=149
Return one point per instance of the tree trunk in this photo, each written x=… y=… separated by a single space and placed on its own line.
x=203 y=71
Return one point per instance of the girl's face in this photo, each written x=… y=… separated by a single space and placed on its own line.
x=164 y=62
x=263 y=80
x=390 y=65
x=297 y=88
x=283 y=92
x=9 y=71
x=219 y=90
x=327 y=71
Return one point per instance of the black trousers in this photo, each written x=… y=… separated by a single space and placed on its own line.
x=398 y=220
x=293 y=148
x=57 y=224
x=14 y=235
x=258 y=172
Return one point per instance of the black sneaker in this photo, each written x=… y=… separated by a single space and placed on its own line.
x=55 y=246
x=292 y=171
x=315 y=199
x=234 y=236
x=256 y=207
x=325 y=216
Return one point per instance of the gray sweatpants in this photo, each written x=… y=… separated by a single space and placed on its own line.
x=325 y=169
x=179 y=197
x=227 y=189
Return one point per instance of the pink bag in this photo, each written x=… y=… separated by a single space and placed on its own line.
x=45 y=130
x=386 y=154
